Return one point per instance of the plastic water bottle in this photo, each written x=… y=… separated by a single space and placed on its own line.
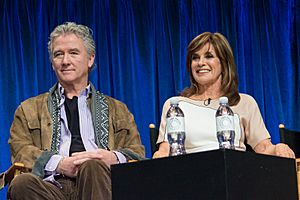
x=225 y=125
x=175 y=129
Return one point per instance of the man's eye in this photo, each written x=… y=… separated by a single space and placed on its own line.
x=74 y=53
x=57 y=55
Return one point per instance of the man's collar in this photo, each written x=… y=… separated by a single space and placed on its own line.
x=84 y=92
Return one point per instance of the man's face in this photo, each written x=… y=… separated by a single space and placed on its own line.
x=71 y=61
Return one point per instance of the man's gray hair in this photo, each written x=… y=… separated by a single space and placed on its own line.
x=81 y=31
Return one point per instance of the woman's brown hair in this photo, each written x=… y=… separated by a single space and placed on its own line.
x=229 y=83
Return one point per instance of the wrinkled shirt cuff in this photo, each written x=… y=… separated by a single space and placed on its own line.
x=52 y=164
x=121 y=157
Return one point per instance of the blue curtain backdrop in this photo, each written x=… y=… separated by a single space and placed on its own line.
x=141 y=47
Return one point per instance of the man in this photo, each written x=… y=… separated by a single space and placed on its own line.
x=71 y=135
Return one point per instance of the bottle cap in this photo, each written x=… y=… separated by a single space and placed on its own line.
x=223 y=100
x=174 y=101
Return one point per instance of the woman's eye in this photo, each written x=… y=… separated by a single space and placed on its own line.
x=209 y=55
x=195 y=58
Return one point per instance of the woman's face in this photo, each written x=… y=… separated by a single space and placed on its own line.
x=206 y=66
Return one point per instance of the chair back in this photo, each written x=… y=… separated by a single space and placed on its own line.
x=153 y=138
x=14 y=170
x=291 y=138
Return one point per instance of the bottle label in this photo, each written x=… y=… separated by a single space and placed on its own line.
x=225 y=123
x=175 y=124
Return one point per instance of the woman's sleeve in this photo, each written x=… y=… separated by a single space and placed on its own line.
x=162 y=128
x=255 y=128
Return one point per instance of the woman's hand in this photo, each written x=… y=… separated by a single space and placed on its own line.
x=282 y=150
x=160 y=154
x=163 y=150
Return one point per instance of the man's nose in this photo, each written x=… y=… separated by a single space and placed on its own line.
x=66 y=59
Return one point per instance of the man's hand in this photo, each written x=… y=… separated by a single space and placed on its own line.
x=67 y=167
x=108 y=157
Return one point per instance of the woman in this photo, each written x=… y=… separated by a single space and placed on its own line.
x=212 y=71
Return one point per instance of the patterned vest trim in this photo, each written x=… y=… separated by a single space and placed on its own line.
x=99 y=111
